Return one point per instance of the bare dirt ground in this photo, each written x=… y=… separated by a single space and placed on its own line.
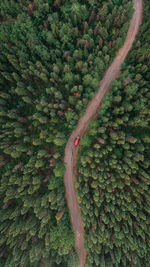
x=111 y=74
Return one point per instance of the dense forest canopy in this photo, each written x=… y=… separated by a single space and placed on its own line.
x=53 y=55
x=114 y=166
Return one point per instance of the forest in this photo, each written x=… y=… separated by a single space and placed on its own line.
x=113 y=179
x=53 y=56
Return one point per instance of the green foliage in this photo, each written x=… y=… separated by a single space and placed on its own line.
x=113 y=172
x=59 y=170
x=53 y=55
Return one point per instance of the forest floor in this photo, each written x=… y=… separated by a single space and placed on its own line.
x=111 y=74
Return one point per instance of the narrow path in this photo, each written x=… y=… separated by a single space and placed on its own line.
x=111 y=74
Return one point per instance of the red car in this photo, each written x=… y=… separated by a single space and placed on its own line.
x=76 y=142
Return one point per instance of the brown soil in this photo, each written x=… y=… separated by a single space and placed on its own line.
x=111 y=74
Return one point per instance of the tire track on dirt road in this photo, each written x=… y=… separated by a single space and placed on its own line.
x=111 y=74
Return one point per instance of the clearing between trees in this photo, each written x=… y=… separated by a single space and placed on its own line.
x=91 y=111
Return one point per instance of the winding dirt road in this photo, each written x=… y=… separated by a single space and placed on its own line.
x=111 y=74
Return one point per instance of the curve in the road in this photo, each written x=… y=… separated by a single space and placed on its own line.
x=91 y=111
